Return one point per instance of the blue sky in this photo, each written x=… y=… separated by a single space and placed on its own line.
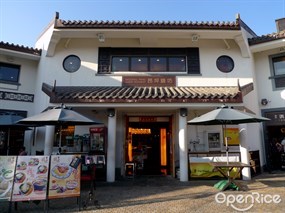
x=22 y=21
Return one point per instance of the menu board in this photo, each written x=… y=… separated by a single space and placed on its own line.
x=64 y=178
x=31 y=178
x=7 y=171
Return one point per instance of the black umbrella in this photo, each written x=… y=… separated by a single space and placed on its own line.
x=58 y=116
x=226 y=115
x=8 y=122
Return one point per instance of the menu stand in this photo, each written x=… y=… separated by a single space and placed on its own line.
x=89 y=176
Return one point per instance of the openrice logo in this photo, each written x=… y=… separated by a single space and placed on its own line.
x=249 y=200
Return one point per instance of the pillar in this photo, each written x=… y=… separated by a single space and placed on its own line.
x=49 y=138
x=111 y=150
x=183 y=149
x=243 y=137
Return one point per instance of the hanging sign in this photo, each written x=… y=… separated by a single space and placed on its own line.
x=31 y=178
x=7 y=171
x=64 y=180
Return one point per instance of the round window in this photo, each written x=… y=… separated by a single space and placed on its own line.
x=225 y=63
x=71 y=63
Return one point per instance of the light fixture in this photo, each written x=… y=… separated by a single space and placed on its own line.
x=264 y=101
x=111 y=112
x=101 y=37
x=195 y=37
x=183 y=112
x=10 y=59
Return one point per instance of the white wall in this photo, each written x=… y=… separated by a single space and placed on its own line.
x=28 y=73
x=264 y=84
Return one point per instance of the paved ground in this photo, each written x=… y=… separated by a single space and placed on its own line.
x=165 y=194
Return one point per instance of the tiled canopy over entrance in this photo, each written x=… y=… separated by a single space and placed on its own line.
x=89 y=94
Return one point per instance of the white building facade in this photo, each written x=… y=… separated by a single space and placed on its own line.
x=144 y=81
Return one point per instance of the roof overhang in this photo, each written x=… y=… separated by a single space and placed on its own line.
x=19 y=54
x=142 y=95
x=279 y=43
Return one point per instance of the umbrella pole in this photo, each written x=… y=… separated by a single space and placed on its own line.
x=59 y=143
x=226 y=142
x=227 y=149
x=8 y=142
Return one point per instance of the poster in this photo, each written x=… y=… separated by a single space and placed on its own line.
x=232 y=136
x=7 y=171
x=64 y=178
x=31 y=178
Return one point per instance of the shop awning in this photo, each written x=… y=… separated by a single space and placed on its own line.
x=93 y=94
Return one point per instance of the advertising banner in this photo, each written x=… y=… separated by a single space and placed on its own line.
x=7 y=171
x=200 y=167
x=64 y=178
x=31 y=178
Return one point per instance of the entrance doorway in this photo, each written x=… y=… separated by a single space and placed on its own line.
x=148 y=145
x=274 y=150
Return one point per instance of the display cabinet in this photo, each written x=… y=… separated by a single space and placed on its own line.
x=98 y=149
x=98 y=139
x=214 y=141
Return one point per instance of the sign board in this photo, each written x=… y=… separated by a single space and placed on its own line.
x=232 y=136
x=143 y=81
x=31 y=178
x=200 y=167
x=7 y=171
x=64 y=180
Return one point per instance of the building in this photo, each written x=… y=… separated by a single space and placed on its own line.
x=268 y=52
x=144 y=80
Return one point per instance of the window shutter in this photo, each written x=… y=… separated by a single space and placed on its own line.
x=193 y=61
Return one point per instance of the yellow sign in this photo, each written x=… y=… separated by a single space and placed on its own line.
x=232 y=135
x=205 y=170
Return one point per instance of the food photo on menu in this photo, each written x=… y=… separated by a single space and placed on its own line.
x=31 y=178
x=64 y=178
x=7 y=171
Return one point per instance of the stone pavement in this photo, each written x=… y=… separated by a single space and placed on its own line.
x=166 y=194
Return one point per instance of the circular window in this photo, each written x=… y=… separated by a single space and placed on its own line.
x=71 y=63
x=225 y=63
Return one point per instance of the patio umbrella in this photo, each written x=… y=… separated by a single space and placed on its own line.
x=8 y=122
x=226 y=115
x=9 y=119
x=58 y=116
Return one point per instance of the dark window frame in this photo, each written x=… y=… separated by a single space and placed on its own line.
x=278 y=80
x=15 y=67
x=148 y=59
x=192 y=58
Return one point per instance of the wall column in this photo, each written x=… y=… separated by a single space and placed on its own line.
x=183 y=149
x=49 y=138
x=246 y=175
x=111 y=151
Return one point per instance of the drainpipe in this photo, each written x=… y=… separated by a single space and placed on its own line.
x=111 y=150
x=183 y=150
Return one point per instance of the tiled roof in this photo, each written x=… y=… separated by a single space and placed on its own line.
x=266 y=38
x=59 y=23
x=19 y=48
x=147 y=25
x=89 y=94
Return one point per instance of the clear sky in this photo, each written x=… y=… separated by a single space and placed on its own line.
x=22 y=21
